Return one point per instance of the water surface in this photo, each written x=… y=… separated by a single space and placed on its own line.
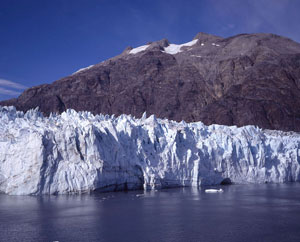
x=242 y=213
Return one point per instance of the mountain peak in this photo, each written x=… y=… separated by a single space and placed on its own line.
x=240 y=80
x=204 y=37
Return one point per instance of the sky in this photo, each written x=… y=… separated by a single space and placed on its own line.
x=44 y=40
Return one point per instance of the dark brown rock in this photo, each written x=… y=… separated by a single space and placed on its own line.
x=245 y=79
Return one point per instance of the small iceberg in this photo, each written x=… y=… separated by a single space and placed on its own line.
x=213 y=190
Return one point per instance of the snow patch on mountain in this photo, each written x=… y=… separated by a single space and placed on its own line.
x=83 y=69
x=138 y=49
x=78 y=152
x=174 y=49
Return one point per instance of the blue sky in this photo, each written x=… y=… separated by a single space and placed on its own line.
x=44 y=40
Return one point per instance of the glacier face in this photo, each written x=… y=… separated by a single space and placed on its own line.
x=80 y=152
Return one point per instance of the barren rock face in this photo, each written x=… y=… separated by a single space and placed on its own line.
x=245 y=79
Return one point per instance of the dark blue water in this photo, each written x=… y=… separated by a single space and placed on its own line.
x=242 y=213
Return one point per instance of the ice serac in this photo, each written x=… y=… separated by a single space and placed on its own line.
x=79 y=152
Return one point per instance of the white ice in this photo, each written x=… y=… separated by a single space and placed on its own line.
x=213 y=190
x=83 y=69
x=174 y=49
x=138 y=49
x=79 y=152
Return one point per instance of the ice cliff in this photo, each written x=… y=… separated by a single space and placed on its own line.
x=80 y=152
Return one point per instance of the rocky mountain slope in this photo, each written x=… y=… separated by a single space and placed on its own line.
x=80 y=152
x=245 y=79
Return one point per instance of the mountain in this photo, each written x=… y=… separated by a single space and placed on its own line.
x=79 y=152
x=245 y=79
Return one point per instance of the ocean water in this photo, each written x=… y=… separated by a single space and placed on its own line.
x=243 y=213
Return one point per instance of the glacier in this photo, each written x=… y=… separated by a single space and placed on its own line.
x=78 y=152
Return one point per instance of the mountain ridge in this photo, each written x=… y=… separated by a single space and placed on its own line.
x=247 y=79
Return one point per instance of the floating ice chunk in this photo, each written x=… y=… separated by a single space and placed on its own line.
x=213 y=190
x=138 y=49
x=174 y=49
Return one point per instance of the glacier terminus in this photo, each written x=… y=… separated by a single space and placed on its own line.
x=77 y=152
